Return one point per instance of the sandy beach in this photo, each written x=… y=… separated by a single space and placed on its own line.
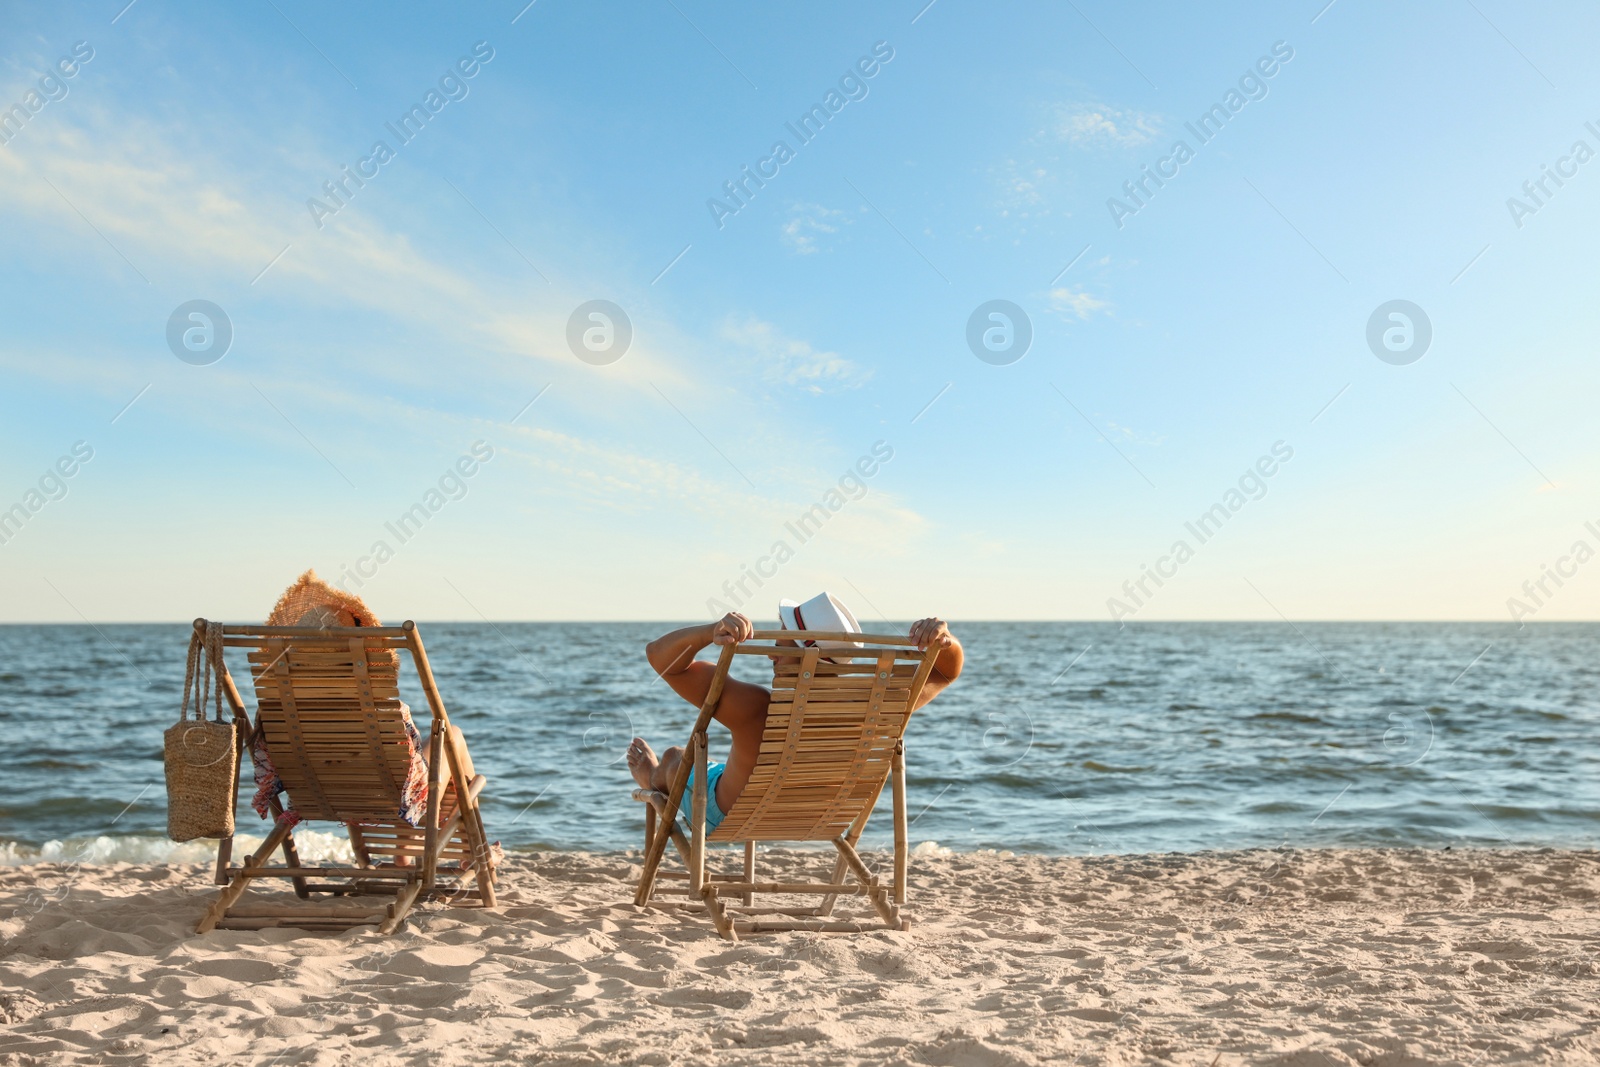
x=1372 y=957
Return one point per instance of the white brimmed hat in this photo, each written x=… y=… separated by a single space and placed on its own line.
x=824 y=613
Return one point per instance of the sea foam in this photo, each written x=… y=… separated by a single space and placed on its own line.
x=314 y=846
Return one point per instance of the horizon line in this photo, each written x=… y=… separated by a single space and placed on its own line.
x=1057 y=621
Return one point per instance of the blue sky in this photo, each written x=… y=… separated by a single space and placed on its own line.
x=771 y=353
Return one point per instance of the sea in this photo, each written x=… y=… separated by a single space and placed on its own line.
x=1064 y=737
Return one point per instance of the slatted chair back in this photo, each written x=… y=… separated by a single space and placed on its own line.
x=330 y=710
x=833 y=738
x=835 y=718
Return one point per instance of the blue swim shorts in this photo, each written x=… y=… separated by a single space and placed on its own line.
x=713 y=813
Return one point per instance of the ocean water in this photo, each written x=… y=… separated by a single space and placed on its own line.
x=1059 y=737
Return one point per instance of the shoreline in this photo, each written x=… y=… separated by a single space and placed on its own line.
x=1276 y=956
x=332 y=845
x=105 y=850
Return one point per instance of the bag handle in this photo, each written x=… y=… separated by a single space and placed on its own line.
x=205 y=652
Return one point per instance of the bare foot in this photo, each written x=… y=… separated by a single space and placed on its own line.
x=642 y=762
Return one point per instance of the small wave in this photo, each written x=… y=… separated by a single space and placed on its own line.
x=1005 y=779
x=1106 y=768
x=315 y=846
x=1288 y=716
x=934 y=850
x=47 y=764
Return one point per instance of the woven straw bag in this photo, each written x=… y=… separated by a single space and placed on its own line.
x=201 y=755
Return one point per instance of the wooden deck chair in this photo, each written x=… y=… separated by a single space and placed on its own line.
x=834 y=735
x=328 y=708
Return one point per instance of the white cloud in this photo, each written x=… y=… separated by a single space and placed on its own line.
x=180 y=220
x=1027 y=191
x=1137 y=437
x=1097 y=124
x=807 y=222
x=175 y=212
x=1031 y=181
x=794 y=362
x=1069 y=300
x=602 y=443
x=1021 y=184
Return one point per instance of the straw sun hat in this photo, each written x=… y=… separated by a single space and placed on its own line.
x=310 y=601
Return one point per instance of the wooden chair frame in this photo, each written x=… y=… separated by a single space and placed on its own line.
x=459 y=833
x=741 y=825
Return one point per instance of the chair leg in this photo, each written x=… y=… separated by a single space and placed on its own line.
x=241 y=881
x=242 y=719
x=718 y=912
x=876 y=893
x=291 y=857
x=839 y=867
x=430 y=828
x=402 y=906
x=470 y=812
x=697 y=816
x=681 y=843
x=656 y=849
x=657 y=823
x=358 y=844
x=901 y=830
x=749 y=870
x=224 y=854
x=482 y=855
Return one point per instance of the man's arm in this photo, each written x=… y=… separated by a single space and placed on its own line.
x=933 y=633
x=672 y=655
